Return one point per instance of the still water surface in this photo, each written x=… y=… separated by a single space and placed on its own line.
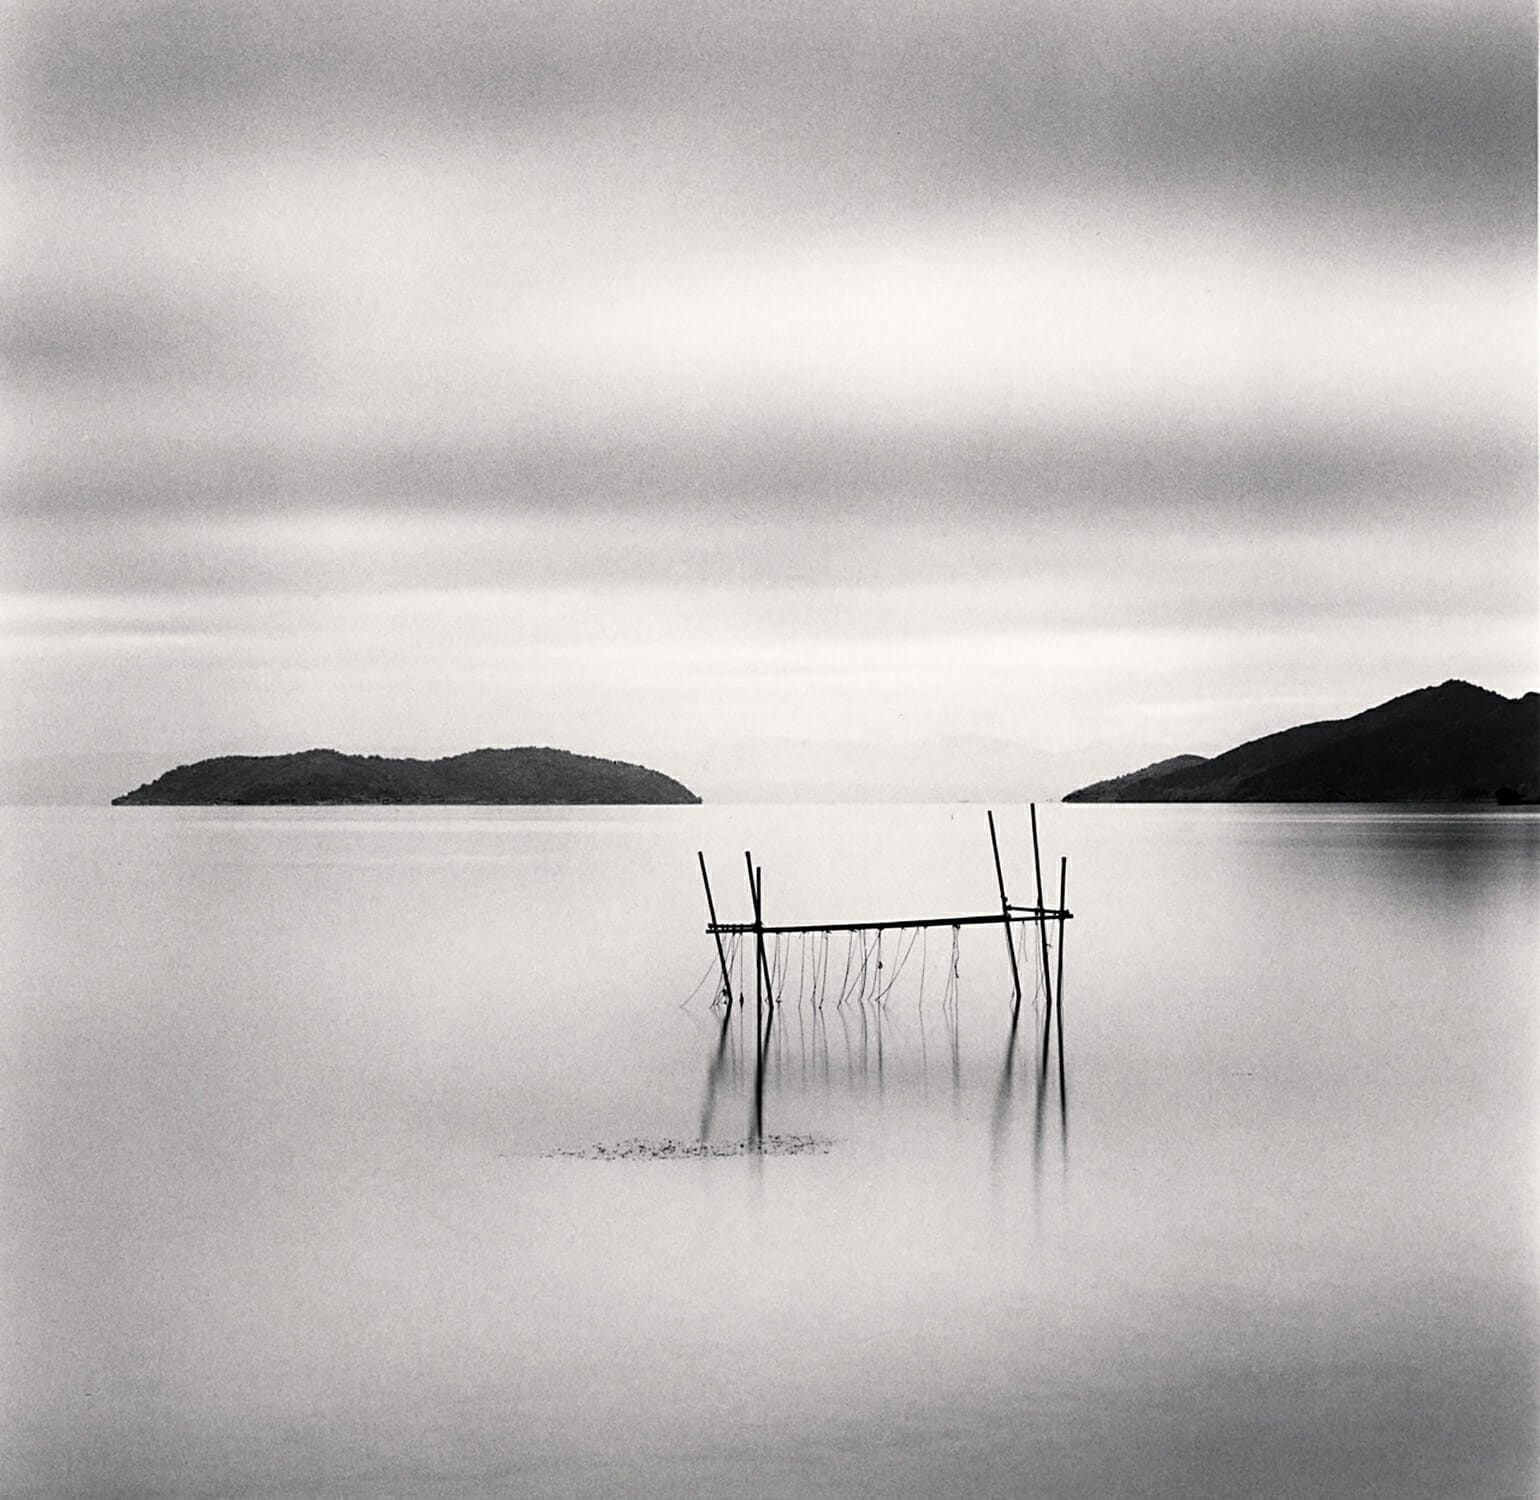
x=282 y=1089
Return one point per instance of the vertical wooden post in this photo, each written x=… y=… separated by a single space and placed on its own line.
x=1058 y=983
x=764 y=992
x=1042 y=933
x=759 y=1004
x=711 y=911
x=1005 y=912
x=757 y=891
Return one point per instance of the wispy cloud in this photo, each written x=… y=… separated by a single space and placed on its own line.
x=1184 y=317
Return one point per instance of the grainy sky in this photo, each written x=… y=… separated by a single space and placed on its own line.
x=669 y=381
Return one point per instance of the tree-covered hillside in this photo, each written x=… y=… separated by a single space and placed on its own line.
x=527 y=775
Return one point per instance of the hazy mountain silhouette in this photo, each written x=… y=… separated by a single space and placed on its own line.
x=527 y=775
x=1451 y=743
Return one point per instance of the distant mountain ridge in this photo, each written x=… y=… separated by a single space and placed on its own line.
x=1451 y=743
x=1103 y=790
x=529 y=775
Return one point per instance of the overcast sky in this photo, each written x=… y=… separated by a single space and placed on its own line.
x=663 y=380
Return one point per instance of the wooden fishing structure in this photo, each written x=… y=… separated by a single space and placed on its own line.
x=1014 y=919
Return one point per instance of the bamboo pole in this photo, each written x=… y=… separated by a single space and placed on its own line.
x=1042 y=933
x=1005 y=912
x=1058 y=983
x=759 y=1005
x=988 y=919
x=716 y=932
x=757 y=889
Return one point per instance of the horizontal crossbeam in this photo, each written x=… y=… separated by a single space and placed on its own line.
x=993 y=919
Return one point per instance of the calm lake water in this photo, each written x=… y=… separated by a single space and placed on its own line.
x=282 y=1218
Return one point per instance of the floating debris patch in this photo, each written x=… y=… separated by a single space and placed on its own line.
x=672 y=1150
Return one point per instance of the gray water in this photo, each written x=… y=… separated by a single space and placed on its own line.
x=282 y=1090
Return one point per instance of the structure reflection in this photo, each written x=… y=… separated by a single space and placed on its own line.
x=881 y=1051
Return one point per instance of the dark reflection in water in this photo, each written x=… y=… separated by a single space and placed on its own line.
x=1042 y=1093
x=874 y=1050
x=1005 y=1094
x=714 y=1075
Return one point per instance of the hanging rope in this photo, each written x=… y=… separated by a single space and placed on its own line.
x=866 y=969
x=720 y=993
x=1039 y=989
x=953 y=975
x=850 y=949
x=898 y=967
x=699 y=987
x=1021 y=956
x=858 y=964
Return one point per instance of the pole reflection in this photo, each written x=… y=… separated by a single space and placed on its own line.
x=888 y=1058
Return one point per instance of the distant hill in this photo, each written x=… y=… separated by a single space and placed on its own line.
x=523 y=776
x=1109 y=790
x=1451 y=743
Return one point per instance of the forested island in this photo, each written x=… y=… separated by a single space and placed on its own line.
x=525 y=776
x=1451 y=743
